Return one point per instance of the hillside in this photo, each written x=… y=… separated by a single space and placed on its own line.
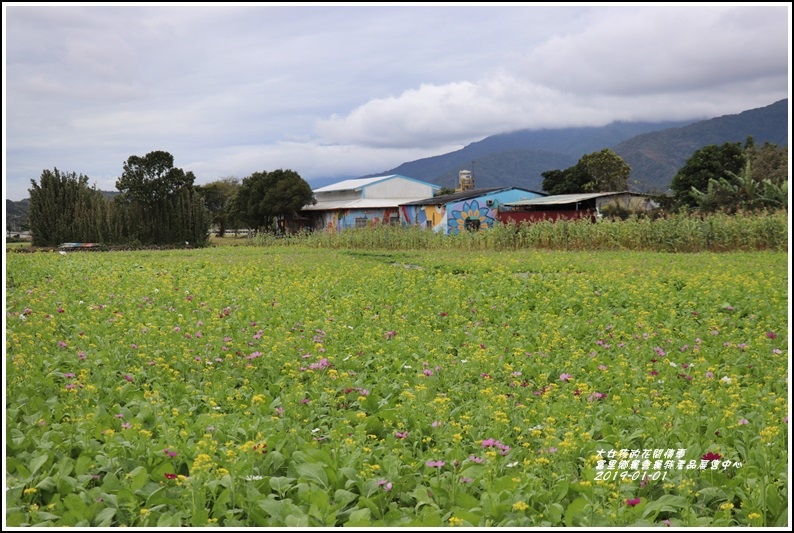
x=654 y=151
x=655 y=157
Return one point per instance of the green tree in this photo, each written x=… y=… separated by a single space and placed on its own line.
x=158 y=204
x=603 y=171
x=712 y=162
x=606 y=171
x=218 y=196
x=769 y=162
x=152 y=178
x=742 y=191
x=265 y=198
x=63 y=208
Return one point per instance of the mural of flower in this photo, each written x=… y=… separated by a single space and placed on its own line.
x=471 y=217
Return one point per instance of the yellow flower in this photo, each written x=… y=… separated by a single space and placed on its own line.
x=727 y=506
x=455 y=521
x=30 y=491
x=520 y=506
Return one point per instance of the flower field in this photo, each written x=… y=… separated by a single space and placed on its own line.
x=290 y=386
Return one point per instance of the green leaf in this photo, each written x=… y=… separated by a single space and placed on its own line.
x=312 y=472
x=281 y=484
x=359 y=518
x=138 y=478
x=104 y=518
x=37 y=462
x=574 y=509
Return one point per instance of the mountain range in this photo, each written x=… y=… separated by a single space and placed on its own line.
x=654 y=151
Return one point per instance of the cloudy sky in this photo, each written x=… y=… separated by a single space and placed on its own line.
x=345 y=91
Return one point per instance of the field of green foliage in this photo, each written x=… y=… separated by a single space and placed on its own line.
x=297 y=386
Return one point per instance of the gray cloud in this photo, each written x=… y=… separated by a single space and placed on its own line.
x=348 y=90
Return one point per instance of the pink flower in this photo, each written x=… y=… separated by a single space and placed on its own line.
x=565 y=377
x=743 y=421
x=771 y=335
x=126 y=425
x=400 y=435
x=435 y=464
x=385 y=484
x=466 y=480
x=128 y=378
x=170 y=453
x=475 y=459
x=427 y=372
x=632 y=502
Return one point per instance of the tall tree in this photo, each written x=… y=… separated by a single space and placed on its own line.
x=218 y=196
x=63 y=208
x=712 y=162
x=606 y=171
x=152 y=178
x=158 y=204
x=265 y=198
x=603 y=171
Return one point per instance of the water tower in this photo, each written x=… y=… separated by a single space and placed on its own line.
x=465 y=181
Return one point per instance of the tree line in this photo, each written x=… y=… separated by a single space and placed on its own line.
x=727 y=177
x=158 y=204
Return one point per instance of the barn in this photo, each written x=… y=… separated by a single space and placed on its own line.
x=358 y=203
x=466 y=210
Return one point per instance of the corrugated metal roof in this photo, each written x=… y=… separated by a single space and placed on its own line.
x=566 y=198
x=360 y=203
x=350 y=185
x=360 y=183
x=454 y=197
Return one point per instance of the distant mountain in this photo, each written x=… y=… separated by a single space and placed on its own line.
x=654 y=151
x=655 y=157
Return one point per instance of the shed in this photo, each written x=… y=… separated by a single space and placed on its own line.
x=571 y=206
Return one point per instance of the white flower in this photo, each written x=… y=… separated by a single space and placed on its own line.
x=511 y=465
x=253 y=478
x=673 y=364
x=726 y=379
x=407 y=366
x=464 y=360
x=315 y=430
x=156 y=290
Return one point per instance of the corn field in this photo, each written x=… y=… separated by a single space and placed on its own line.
x=674 y=233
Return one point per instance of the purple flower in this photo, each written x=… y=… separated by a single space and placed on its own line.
x=427 y=372
x=631 y=502
x=709 y=375
x=128 y=378
x=771 y=335
x=466 y=480
x=565 y=377
x=400 y=435
x=170 y=453
x=435 y=464
x=475 y=459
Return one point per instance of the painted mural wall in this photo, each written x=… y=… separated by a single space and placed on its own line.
x=355 y=218
x=474 y=214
